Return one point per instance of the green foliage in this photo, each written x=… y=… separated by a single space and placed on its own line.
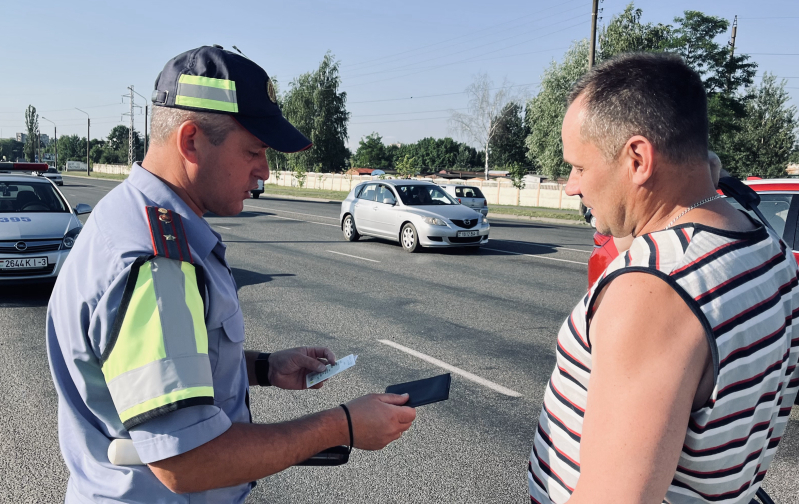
x=407 y=168
x=301 y=174
x=516 y=172
x=315 y=106
x=626 y=33
x=764 y=138
x=371 y=153
x=32 y=127
x=10 y=149
x=546 y=110
x=507 y=144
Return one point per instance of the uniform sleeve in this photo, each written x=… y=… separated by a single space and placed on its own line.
x=156 y=364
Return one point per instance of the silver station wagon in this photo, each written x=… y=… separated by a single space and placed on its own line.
x=415 y=213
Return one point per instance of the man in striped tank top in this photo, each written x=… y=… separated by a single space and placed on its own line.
x=676 y=373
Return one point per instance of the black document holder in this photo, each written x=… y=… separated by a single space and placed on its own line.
x=426 y=391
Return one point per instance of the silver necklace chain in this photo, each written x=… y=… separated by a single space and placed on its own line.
x=697 y=204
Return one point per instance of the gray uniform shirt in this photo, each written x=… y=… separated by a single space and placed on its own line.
x=80 y=316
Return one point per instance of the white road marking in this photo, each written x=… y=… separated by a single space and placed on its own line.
x=223 y=227
x=322 y=224
x=348 y=255
x=469 y=376
x=534 y=244
x=536 y=256
x=288 y=218
x=289 y=211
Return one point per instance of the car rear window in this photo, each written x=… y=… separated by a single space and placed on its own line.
x=16 y=197
x=468 y=192
x=774 y=208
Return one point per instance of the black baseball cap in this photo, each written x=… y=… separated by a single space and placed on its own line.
x=211 y=79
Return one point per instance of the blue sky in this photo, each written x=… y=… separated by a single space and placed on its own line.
x=61 y=55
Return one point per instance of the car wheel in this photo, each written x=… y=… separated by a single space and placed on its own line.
x=350 y=232
x=409 y=238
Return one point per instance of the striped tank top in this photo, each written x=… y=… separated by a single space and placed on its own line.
x=743 y=288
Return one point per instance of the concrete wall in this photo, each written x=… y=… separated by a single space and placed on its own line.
x=497 y=191
x=111 y=168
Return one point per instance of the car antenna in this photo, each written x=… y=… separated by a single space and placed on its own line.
x=239 y=51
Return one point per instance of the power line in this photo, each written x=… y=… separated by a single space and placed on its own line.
x=403 y=120
x=65 y=110
x=433 y=96
x=408 y=113
x=490 y=28
x=772 y=54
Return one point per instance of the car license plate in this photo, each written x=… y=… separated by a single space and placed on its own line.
x=28 y=262
x=466 y=234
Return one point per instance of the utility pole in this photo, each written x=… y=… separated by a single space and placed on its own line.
x=732 y=52
x=88 y=139
x=55 y=134
x=592 y=51
x=145 y=121
x=130 y=131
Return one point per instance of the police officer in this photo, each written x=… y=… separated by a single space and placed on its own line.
x=144 y=329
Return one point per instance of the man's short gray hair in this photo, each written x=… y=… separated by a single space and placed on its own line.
x=655 y=95
x=165 y=120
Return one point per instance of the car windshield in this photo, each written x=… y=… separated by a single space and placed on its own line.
x=30 y=196
x=774 y=208
x=424 y=194
x=468 y=192
x=51 y=170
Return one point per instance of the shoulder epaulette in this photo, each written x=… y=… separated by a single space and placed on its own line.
x=168 y=235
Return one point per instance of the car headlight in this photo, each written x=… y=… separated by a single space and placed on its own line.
x=485 y=220
x=434 y=221
x=70 y=237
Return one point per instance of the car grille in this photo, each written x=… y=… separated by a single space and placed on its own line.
x=27 y=271
x=34 y=246
x=472 y=223
x=465 y=239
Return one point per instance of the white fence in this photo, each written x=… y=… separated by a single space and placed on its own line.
x=111 y=169
x=497 y=191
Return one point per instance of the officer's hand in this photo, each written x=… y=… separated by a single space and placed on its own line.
x=378 y=419
x=287 y=368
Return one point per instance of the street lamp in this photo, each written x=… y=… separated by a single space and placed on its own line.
x=88 y=138
x=55 y=134
x=145 y=120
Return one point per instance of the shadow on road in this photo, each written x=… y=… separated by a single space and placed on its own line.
x=25 y=295
x=245 y=277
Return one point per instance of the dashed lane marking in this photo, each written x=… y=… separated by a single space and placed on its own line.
x=354 y=256
x=536 y=256
x=449 y=367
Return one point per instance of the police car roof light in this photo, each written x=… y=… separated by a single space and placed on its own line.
x=29 y=167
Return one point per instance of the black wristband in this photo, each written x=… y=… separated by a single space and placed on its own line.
x=262 y=369
x=349 y=424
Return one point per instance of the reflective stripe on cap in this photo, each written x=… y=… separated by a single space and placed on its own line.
x=207 y=93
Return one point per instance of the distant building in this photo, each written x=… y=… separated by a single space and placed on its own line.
x=792 y=169
x=44 y=139
x=22 y=137
x=360 y=171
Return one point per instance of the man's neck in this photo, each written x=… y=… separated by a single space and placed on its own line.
x=172 y=172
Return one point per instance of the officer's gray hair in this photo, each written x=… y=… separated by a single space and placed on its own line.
x=165 y=120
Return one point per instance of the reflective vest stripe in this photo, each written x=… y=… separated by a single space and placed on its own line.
x=207 y=93
x=159 y=360
x=148 y=382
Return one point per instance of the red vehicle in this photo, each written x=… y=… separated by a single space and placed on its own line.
x=779 y=204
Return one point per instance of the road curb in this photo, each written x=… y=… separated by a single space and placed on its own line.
x=548 y=220
x=297 y=198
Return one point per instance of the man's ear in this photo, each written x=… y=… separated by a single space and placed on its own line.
x=186 y=138
x=638 y=155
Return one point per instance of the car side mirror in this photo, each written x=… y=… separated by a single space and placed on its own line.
x=388 y=200
x=83 y=208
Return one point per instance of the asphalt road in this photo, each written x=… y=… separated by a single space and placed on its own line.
x=494 y=314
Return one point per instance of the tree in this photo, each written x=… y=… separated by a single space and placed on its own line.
x=10 y=149
x=546 y=110
x=480 y=123
x=371 y=153
x=626 y=33
x=406 y=168
x=765 y=137
x=516 y=172
x=32 y=126
x=507 y=146
x=315 y=106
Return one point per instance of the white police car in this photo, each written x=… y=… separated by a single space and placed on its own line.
x=37 y=225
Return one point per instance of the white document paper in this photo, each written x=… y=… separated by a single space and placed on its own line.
x=347 y=362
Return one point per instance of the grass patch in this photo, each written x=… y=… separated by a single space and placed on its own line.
x=550 y=213
x=97 y=175
x=274 y=189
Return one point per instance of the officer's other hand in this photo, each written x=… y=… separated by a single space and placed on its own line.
x=378 y=419
x=287 y=368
